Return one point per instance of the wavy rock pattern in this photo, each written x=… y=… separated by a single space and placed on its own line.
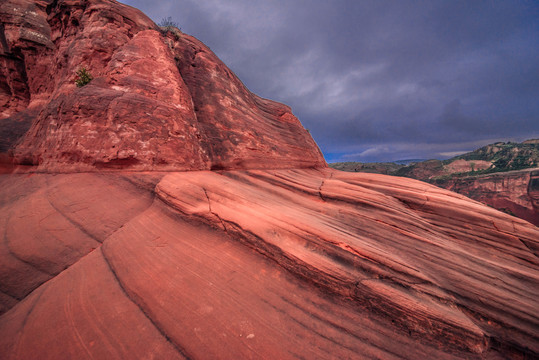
x=50 y=222
x=273 y=264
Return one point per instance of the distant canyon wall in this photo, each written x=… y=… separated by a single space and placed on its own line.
x=515 y=192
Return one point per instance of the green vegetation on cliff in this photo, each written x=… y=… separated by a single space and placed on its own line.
x=497 y=157
x=506 y=156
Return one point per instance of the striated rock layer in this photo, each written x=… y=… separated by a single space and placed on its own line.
x=515 y=192
x=259 y=252
x=157 y=102
x=261 y=264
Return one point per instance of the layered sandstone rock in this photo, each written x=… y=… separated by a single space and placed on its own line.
x=156 y=102
x=261 y=264
x=294 y=260
x=515 y=192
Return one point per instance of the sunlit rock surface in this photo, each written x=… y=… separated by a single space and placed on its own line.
x=262 y=263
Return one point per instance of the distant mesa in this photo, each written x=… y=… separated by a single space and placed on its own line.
x=501 y=175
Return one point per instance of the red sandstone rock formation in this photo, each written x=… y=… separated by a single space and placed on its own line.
x=156 y=102
x=238 y=263
x=261 y=264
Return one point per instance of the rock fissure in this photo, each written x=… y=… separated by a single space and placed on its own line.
x=19 y=258
x=320 y=190
x=140 y=305
x=529 y=247
x=73 y=222
x=215 y=214
x=35 y=302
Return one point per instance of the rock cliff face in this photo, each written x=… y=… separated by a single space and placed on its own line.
x=226 y=261
x=156 y=102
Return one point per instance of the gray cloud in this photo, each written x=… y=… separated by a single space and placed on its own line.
x=381 y=80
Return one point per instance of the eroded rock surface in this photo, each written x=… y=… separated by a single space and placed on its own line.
x=262 y=264
x=514 y=192
x=501 y=175
x=50 y=222
x=157 y=101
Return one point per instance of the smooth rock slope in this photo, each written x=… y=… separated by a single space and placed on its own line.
x=261 y=264
x=259 y=251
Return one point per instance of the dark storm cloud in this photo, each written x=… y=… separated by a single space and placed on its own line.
x=381 y=80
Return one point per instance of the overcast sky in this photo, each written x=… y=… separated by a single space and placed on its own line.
x=381 y=80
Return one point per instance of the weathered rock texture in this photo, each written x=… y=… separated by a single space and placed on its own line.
x=294 y=261
x=156 y=102
x=261 y=264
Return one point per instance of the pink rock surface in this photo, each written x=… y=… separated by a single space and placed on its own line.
x=83 y=313
x=273 y=264
x=241 y=129
x=50 y=222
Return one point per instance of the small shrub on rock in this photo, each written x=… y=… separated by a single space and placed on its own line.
x=167 y=25
x=83 y=77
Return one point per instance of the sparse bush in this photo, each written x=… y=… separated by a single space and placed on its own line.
x=167 y=24
x=83 y=77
